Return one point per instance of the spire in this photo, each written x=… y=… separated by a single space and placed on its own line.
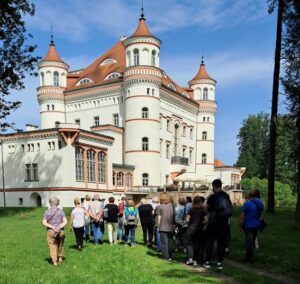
x=52 y=54
x=142 y=13
x=201 y=74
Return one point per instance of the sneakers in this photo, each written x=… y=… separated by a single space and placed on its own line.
x=206 y=264
x=190 y=262
x=219 y=266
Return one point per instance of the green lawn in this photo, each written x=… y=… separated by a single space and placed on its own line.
x=24 y=256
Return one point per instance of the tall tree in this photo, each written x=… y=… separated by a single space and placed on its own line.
x=253 y=147
x=273 y=122
x=16 y=55
x=291 y=79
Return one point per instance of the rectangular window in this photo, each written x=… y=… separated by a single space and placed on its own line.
x=32 y=148
x=191 y=132
x=145 y=179
x=20 y=201
x=101 y=167
x=152 y=92
x=116 y=119
x=184 y=131
x=91 y=165
x=59 y=145
x=28 y=147
x=38 y=147
x=53 y=146
x=96 y=121
x=31 y=172
x=23 y=148
x=49 y=146
x=168 y=125
x=191 y=155
x=48 y=107
x=79 y=163
x=183 y=152
x=53 y=107
x=148 y=91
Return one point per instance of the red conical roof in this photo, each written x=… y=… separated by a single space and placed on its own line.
x=142 y=29
x=202 y=74
x=52 y=54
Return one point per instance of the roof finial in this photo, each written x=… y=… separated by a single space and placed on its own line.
x=202 y=58
x=142 y=13
x=52 y=40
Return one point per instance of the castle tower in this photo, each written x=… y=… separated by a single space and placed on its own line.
x=52 y=72
x=142 y=81
x=204 y=93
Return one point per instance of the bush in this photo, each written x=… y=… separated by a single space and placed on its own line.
x=283 y=192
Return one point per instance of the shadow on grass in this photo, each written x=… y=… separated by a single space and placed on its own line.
x=11 y=211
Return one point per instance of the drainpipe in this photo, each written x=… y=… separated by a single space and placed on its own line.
x=3 y=180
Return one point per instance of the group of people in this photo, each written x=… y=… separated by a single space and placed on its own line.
x=199 y=227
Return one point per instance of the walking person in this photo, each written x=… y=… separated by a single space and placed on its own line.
x=146 y=216
x=96 y=213
x=165 y=222
x=195 y=220
x=55 y=220
x=112 y=220
x=156 y=204
x=219 y=208
x=130 y=219
x=250 y=220
x=85 y=206
x=180 y=220
x=120 y=218
x=77 y=222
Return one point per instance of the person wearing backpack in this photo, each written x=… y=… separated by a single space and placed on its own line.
x=130 y=218
x=219 y=209
x=120 y=218
x=250 y=221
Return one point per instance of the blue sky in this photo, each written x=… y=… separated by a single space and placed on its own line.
x=237 y=38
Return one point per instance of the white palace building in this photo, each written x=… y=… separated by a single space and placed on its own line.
x=119 y=126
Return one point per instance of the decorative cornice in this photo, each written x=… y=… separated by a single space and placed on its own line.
x=108 y=127
x=139 y=39
x=42 y=64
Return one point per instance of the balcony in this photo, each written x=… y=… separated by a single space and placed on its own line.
x=179 y=160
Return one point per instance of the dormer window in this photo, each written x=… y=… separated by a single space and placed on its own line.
x=108 y=61
x=84 y=81
x=112 y=76
x=171 y=86
x=185 y=94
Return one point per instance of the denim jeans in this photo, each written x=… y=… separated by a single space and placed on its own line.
x=120 y=228
x=129 y=234
x=157 y=239
x=87 y=231
x=250 y=236
x=97 y=232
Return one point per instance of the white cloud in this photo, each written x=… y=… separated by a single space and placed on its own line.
x=77 y=19
x=229 y=68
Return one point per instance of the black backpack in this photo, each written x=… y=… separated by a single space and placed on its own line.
x=224 y=205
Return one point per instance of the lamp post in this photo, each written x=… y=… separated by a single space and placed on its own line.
x=3 y=180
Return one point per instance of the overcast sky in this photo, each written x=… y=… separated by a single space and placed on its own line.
x=236 y=37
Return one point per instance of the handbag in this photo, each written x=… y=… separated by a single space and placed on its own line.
x=263 y=225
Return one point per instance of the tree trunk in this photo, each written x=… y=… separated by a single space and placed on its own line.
x=273 y=123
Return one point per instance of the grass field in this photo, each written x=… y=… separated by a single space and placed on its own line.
x=24 y=256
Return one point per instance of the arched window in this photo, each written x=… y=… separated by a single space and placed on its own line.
x=91 y=165
x=153 y=58
x=204 y=135
x=172 y=87
x=108 y=61
x=120 y=176
x=112 y=76
x=42 y=79
x=55 y=78
x=145 y=143
x=128 y=58
x=204 y=159
x=136 y=57
x=145 y=179
x=145 y=112
x=205 y=94
x=101 y=167
x=176 y=139
x=128 y=181
x=79 y=163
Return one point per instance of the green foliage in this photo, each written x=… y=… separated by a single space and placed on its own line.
x=252 y=142
x=283 y=192
x=16 y=56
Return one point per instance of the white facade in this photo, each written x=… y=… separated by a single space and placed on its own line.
x=119 y=125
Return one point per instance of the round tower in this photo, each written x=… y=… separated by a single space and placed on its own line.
x=142 y=81
x=52 y=72
x=204 y=93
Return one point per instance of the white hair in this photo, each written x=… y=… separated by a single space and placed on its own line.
x=53 y=201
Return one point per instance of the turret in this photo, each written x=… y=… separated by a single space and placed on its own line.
x=204 y=93
x=142 y=81
x=53 y=81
